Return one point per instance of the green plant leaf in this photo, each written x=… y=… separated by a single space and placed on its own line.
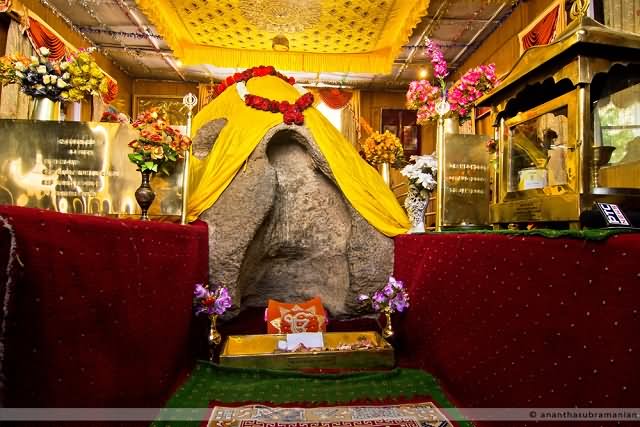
x=136 y=158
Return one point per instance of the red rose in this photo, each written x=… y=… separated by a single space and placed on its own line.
x=264 y=104
x=274 y=107
x=289 y=117
x=291 y=81
x=229 y=81
x=284 y=106
x=237 y=77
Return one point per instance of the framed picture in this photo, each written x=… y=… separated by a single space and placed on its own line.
x=393 y=129
x=410 y=138
x=173 y=106
x=402 y=123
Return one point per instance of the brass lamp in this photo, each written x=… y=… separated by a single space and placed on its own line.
x=601 y=156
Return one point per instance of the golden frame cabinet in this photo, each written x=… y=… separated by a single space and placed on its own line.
x=567 y=122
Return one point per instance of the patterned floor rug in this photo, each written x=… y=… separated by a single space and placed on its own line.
x=424 y=414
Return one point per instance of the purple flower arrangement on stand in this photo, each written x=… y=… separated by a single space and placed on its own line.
x=213 y=303
x=391 y=298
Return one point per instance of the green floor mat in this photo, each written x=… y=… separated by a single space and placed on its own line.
x=208 y=383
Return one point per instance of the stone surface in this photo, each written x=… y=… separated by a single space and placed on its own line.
x=283 y=229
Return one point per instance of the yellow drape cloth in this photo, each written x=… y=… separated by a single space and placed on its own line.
x=360 y=183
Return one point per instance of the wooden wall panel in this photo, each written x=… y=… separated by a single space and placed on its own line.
x=163 y=88
x=372 y=103
x=502 y=46
x=622 y=14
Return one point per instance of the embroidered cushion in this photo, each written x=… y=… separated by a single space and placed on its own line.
x=308 y=316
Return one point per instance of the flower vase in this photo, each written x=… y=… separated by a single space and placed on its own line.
x=45 y=109
x=385 y=171
x=214 y=335
x=416 y=206
x=452 y=124
x=145 y=195
x=387 y=331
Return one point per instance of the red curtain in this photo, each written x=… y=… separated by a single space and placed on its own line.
x=41 y=36
x=543 y=32
x=335 y=98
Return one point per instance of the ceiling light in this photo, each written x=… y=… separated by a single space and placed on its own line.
x=280 y=43
x=423 y=73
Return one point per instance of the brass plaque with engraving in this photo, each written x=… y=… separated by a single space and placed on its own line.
x=466 y=181
x=78 y=167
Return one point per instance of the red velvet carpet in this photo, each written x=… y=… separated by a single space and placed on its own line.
x=101 y=310
x=523 y=322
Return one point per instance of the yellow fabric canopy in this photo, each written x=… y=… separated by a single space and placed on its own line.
x=358 y=36
x=360 y=183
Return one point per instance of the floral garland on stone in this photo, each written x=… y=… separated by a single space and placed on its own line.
x=291 y=112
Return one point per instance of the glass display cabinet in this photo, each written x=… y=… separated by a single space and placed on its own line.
x=567 y=122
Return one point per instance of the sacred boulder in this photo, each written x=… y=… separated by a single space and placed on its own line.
x=280 y=225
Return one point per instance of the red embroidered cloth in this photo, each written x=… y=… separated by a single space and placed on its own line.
x=523 y=322
x=102 y=309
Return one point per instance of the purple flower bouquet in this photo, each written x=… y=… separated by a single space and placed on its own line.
x=392 y=297
x=211 y=302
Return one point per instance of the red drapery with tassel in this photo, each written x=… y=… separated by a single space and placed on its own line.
x=543 y=32
x=40 y=36
x=335 y=98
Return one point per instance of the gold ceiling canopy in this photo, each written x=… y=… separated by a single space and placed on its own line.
x=323 y=35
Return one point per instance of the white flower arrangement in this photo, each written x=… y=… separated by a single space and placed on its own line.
x=422 y=174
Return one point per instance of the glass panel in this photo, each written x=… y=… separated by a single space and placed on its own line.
x=619 y=118
x=538 y=152
x=617 y=124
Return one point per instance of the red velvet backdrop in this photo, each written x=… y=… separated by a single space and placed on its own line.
x=102 y=309
x=522 y=322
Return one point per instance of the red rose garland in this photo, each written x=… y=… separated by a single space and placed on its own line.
x=291 y=113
